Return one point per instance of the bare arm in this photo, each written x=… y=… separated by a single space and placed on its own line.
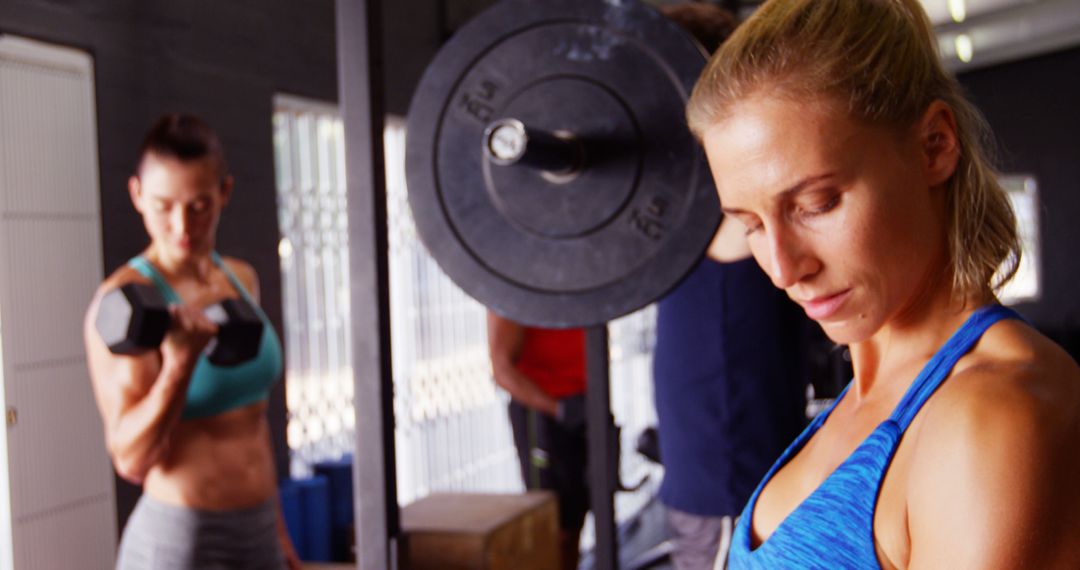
x=140 y=397
x=995 y=485
x=505 y=339
x=729 y=244
x=292 y=559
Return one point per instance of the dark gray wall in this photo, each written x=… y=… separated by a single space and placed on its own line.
x=1032 y=107
x=221 y=60
x=413 y=30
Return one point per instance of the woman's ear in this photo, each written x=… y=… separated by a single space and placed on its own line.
x=135 y=191
x=939 y=143
x=226 y=190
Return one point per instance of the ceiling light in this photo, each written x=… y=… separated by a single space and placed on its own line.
x=957 y=10
x=964 y=49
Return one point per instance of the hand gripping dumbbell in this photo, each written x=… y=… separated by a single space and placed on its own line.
x=135 y=317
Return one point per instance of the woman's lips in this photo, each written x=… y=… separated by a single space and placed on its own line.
x=820 y=308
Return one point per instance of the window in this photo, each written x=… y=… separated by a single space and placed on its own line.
x=314 y=253
x=451 y=432
x=1023 y=195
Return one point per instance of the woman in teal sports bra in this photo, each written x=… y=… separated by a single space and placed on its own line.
x=862 y=178
x=194 y=434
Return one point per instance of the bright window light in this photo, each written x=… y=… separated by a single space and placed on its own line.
x=1024 y=197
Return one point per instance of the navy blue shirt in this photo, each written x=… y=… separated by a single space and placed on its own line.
x=730 y=379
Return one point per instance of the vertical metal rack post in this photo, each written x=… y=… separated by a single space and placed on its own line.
x=360 y=88
x=598 y=414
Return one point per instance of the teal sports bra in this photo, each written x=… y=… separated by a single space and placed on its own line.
x=216 y=389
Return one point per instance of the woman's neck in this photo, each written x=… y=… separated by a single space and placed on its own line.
x=195 y=267
x=910 y=337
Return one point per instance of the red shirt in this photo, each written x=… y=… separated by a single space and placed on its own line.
x=554 y=360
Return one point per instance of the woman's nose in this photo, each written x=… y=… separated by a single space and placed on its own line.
x=787 y=259
x=181 y=220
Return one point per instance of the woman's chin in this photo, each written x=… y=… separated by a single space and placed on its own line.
x=847 y=331
x=187 y=251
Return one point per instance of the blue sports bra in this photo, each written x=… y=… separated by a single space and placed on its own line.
x=216 y=389
x=834 y=527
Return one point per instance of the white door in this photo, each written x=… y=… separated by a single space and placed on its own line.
x=57 y=504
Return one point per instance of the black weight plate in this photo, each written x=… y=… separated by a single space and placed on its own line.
x=635 y=220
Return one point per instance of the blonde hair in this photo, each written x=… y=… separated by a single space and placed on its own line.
x=880 y=59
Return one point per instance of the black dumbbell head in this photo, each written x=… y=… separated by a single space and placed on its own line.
x=132 y=318
x=239 y=332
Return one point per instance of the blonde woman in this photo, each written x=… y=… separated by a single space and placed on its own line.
x=860 y=174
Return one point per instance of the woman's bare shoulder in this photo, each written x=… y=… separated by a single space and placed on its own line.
x=1016 y=395
x=995 y=438
x=122 y=276
x=1014 y=370
x=244 y=272
x=1012 y=355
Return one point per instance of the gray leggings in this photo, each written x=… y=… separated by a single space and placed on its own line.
x=167 y=537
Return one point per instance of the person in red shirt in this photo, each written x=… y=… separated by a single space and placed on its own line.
x=544 y=372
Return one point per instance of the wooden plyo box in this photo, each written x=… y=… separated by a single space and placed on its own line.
x=461 y=531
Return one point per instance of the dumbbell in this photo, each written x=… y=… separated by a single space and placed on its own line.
x=134 y=318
